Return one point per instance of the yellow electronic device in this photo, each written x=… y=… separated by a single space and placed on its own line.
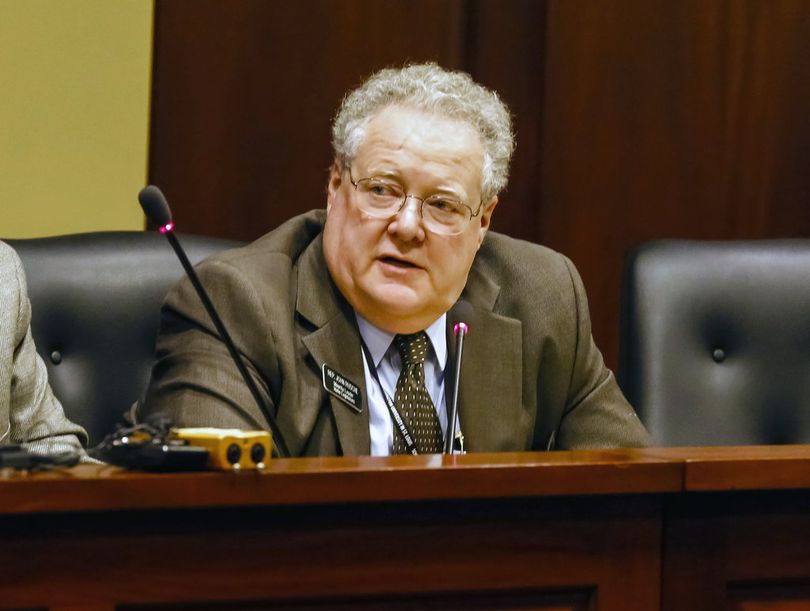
x=229 y=448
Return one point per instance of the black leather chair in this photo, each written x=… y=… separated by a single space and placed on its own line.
x=715 y=341
x=95 y=301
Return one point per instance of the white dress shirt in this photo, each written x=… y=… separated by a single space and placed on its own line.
x=388 y=363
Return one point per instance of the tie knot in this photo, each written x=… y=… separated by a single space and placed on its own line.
x=412 y=348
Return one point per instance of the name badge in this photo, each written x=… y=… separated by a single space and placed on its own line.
x=342 y=388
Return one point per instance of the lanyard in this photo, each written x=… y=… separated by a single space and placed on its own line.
x=410 y=446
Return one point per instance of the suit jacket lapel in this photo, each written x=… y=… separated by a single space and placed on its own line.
x=490 y=405
x=335 y=341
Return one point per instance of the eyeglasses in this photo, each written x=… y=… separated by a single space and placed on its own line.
x=381 y=198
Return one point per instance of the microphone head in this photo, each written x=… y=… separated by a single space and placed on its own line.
x=155 y=206
x=461 y=314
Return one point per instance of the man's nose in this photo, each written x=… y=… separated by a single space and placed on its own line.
x=407 y=224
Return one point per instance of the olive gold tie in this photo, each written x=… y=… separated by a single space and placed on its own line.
x=412 y=399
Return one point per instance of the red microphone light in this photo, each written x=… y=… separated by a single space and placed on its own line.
x=167 y=227
x=461 y=326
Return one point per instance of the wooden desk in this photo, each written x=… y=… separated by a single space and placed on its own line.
x=609 y=530
x=738 y=538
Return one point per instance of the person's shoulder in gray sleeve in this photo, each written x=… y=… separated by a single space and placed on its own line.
x=30 y=414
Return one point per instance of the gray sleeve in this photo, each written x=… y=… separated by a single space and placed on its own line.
x=35 y=416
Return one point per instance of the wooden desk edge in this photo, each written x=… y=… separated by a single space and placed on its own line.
x=307 y=481
x=346 y=480
x=729 y=468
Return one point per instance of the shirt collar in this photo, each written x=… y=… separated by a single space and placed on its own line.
x=378 y=341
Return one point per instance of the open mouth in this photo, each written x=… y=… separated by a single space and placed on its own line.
x=397 y=262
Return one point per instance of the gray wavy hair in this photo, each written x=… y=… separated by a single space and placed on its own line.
x=433 y=89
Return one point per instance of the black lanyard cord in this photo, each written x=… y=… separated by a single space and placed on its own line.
x=410 y=446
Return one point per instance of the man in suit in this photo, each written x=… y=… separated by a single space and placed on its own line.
x=29 y=413
x=357 y=297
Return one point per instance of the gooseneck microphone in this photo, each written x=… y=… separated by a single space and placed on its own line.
x=157 y=210
x=461 y=312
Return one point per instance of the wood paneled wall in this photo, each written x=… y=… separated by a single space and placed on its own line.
x=664 y=119
x=636 y=119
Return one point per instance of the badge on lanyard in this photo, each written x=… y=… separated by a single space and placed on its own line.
x=342 y=388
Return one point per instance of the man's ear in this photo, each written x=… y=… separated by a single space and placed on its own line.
x=486 y=217
x=335 y=180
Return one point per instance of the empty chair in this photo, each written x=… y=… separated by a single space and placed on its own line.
x=95 y=301
x=715 y=341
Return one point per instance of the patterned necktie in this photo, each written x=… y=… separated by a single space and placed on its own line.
x=412 y=398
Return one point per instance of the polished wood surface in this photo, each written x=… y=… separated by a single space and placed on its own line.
x=716 y=469
x=673 y=528
x=346 y=480
x=414 y=478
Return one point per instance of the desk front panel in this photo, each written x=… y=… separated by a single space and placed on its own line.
x=572 y=553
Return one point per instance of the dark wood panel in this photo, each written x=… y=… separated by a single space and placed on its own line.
x=770 y=598
x=478 y=601
x=506 y=50
x=563 y=552
x=671 y=119
x=244 y=93
x=737 y=551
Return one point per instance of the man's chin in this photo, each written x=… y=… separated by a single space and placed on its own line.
x=399 y=303
x=396 y=310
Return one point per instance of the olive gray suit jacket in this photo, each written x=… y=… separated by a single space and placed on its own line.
x=531 y=376
x=28 y=410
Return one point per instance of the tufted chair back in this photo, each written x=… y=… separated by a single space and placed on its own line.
x=715 y=341
x=95 y=300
